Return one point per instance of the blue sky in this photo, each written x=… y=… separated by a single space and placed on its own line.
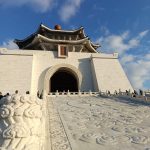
x=121 y=26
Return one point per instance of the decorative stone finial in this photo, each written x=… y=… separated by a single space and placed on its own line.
x=57 y=27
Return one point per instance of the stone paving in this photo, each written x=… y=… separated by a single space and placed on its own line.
x=96 y=123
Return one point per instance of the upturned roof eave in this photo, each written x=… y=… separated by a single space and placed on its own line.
x=19 y=42
x=39 y=38
x=24 y=43
x=84 y=41
x=61 y=41
x=79 y=30
x=30 y=37
x=95 y=45
x=91 y=47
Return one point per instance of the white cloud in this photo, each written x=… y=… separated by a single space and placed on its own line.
x=104 y=30
x=69 y=9
x=133 y=43
x=125 y=35
x=147 y=57
x=37 y=5
x=127 y=59
x=121 y=43
x=144 y=33
x=113 y=43
x=9 y=45
x=137 y=67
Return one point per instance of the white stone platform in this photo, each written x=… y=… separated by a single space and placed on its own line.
x=96 y=123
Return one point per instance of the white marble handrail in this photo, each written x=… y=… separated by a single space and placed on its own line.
x=68 y=93
x=22 y=123
x=145 y=97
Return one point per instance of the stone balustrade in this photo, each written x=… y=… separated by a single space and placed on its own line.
x=68 y=93
x=22 y=118
x=22 y=123
x=142 y=98
x=135 y=97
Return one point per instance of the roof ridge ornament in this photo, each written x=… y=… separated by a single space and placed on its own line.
x=57 y=27
x=57 y=35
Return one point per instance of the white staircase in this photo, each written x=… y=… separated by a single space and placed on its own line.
x=96 y=123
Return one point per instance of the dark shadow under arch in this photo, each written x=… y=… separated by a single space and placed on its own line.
x=67 y=67
x=63 y=80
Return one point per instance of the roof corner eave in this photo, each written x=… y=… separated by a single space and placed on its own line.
x=61 y=41
x=91 y=47
x=95 y=45
x=79 y=30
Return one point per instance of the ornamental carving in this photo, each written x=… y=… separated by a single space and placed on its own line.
x=21 y=121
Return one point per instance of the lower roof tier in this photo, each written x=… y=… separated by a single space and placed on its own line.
x=45 y=36
x=43 y=43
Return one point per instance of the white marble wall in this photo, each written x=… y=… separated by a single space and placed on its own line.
x=25 y=70
x=44 y=60
x=109 y=74
x=15 y=73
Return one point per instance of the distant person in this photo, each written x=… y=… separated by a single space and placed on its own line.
x=41 y=95
x=38 y=94
x=127 y=92
x=7 y=94
x=133 y=95
x=141 y=92
x=16 y=92
x=135 y=92
x=116 y=93
x=108 y=92
x=1 y=96
x=27 y=92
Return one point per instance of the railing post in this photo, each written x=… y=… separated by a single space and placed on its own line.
x=79 y=92
x=145 y=99
x=120 y=92
x=100 y=92
x=63 y=92
x=56 y=93
x=68 y=93
x=90 y=93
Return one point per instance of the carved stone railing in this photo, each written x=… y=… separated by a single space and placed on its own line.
x=68 y=93
x=131 y=96
x=147 y=93
x=142 y=98
x=22 y=123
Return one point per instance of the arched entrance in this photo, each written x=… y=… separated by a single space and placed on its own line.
x=70 y=74
x=63 y=80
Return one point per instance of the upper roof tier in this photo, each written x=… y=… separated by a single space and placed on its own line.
x=44 y=37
